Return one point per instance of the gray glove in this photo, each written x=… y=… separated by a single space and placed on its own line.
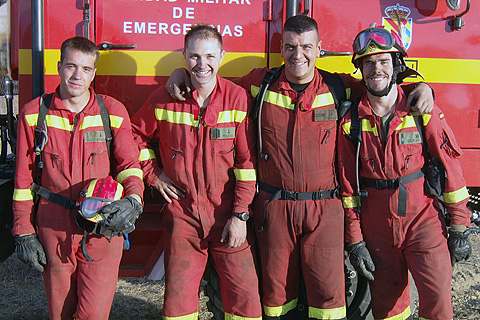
x=30 y=251
x=122 y=214
x=361 y=260
x=459 y=246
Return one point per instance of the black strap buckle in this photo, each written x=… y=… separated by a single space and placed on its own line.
x=289 y=195
x=386 y=184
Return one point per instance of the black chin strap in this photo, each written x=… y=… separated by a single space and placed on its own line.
x=396 y=70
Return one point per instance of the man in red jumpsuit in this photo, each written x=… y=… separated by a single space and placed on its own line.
x=74 y=154
x=206 y=174
x=302 y=228
x=398 y=221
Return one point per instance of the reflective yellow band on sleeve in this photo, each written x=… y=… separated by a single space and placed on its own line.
x=426 y=118
x=323 y=100
x=176 y=117
x=129 y=173
x=274 y=98
x=192 y=316
x=231 y=116
x=61 y=123
x=32 y=119
x=96 y=121
x=281 y=310
x=254 y=90
x=58 y=122
x=22 y=195
x=147 y=154
x=401 y=316
x=366 y=127
x=280 y=100
x=115 y=121
x=245 y=174
x=456 y=196
x=351 y=202
x=407 y=122
x=335 y=313
x=346 y=127
x=229 y=316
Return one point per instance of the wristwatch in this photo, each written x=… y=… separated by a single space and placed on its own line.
x=241 y=215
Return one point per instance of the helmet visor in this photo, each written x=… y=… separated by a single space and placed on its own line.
x=90 y=208
x=381 y=37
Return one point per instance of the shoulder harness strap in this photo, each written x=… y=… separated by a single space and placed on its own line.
x=270 y=77
x=337 y=89
x=106 y=123
x=41 y=133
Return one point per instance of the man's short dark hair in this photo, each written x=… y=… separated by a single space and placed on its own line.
x=81 y=44
x=203 y=31
x=300 y=24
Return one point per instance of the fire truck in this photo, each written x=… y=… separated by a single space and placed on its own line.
x=141 y=43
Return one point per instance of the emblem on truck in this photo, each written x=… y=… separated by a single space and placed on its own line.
x=397 y=20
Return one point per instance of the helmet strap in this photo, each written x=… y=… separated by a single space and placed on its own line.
x=399 y=66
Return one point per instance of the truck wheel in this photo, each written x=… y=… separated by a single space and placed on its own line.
x=356 y=287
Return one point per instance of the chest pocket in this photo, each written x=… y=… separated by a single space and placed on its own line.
x=222 y=140
x=95 y=145
x=410 y=145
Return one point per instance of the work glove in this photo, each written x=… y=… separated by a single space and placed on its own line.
x=459 y=246
x=361 y=260
x=30 y=251
x=122 y=214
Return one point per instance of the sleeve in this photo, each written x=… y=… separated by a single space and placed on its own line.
x=125 y=150
x=245 y=81
x=23 y=205
x=444 y=147
x=245 y=161
x=144 y=126
x=354 y=88
x=346 y=167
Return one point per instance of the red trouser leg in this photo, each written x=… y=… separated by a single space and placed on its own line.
x=429 y=262
x=96 y=281
x=307 y=235
x=397 y=244
x=185 y=259
x=238 y=279
x=76 y=288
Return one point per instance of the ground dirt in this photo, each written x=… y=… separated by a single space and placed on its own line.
x=22 y=295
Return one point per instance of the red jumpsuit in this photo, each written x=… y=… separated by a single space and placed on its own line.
x=73 y=156
x=211 y=156
x=299 y=136
x=416 y=241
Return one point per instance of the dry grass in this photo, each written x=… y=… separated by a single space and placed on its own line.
x=23 y=297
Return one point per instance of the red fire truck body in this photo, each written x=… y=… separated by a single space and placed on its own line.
x=142 y=40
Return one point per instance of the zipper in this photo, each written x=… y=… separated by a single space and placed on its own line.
x=93 y=154
x=372 y=163
x=408 y=161
x=54 y=157
x=327 y=135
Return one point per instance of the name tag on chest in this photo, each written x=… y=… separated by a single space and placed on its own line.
x=325 y=115
x=410 y=138
x=222 y=133
x=95 y=136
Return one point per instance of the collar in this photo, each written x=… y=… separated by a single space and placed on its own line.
x=365 y=110
x=311 y=90
x=215 y=105
x=88 y=110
